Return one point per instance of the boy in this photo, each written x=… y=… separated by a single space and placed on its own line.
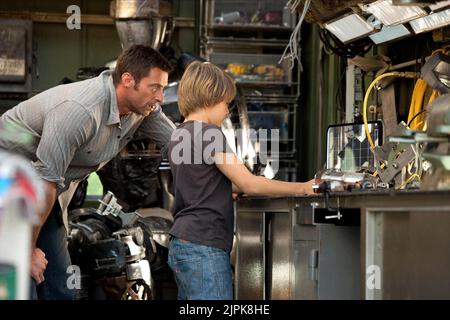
x=204 y=171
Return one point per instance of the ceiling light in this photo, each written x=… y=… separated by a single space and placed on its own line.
x=349 y=28
x=433 y=21
x=390 y=33
x=413 y=2
x=390 y=14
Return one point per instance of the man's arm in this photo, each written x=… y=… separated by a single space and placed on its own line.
x=157 y=127
x=50 y=199
x=38 y=262
x=65 y=129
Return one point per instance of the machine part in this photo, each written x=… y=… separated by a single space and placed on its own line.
x=395 y=155
x=133 y=9
x=89 y=231
x=400 y=156
x=133 y=175
x=136 y=234
x=159 y=228
x=388 y=108
x=132 y=32
x=101 y=258
x=338 y=181
x=109 y=205
x=166 y=180
x=138 y=22
x=137 y=290
x=139 y=271
x=437 y=145
x=439 y=117
x=129 y=218
x=133 y=251
x=117 y=254
x=337 y=216
x=436 y=72
x=408 y=145
x=114 y=288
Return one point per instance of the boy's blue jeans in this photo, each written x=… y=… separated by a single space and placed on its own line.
x=201 y=272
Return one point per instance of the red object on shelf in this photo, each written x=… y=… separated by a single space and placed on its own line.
x=273 y=17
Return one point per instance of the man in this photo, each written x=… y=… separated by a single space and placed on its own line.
x=77 y=128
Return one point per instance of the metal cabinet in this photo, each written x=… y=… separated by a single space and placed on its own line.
x=263 y=267
x=408 y=251
x=290 y=257
x=385 y=245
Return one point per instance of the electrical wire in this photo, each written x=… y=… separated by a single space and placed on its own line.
x=293 y=45
x=416 y=103
x=410 y=179
x=366 y=99
x=410 y=75
x=350 y=50
x=415 y=116
x=416 y=120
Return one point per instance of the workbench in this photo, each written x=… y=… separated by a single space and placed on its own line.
x=371 y=245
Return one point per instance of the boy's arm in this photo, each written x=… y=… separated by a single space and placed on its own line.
x=235 y=189
x=250 y=184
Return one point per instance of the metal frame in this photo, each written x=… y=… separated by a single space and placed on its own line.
x=374 y=230
x=420 y=204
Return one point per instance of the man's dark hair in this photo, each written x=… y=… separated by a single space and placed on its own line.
x=138 y=60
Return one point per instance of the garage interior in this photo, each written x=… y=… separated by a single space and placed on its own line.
x=353 y=93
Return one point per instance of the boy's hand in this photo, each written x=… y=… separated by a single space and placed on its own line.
x=306 y=188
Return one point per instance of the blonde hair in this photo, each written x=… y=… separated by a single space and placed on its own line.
x=204 y=85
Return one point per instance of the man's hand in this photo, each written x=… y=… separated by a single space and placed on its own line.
x=38 y=265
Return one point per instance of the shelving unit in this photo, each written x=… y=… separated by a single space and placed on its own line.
x=247 y=38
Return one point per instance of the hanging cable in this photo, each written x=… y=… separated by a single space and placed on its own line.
x=295 y=38
x=334 y=45
x=416 y=103
x=415 y=116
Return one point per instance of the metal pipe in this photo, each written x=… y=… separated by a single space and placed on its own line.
x=405 y=64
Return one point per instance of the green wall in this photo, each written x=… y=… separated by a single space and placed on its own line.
x=59 y=52
x=317 y=105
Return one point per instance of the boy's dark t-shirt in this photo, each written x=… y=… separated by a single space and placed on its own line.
x=203 y=212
